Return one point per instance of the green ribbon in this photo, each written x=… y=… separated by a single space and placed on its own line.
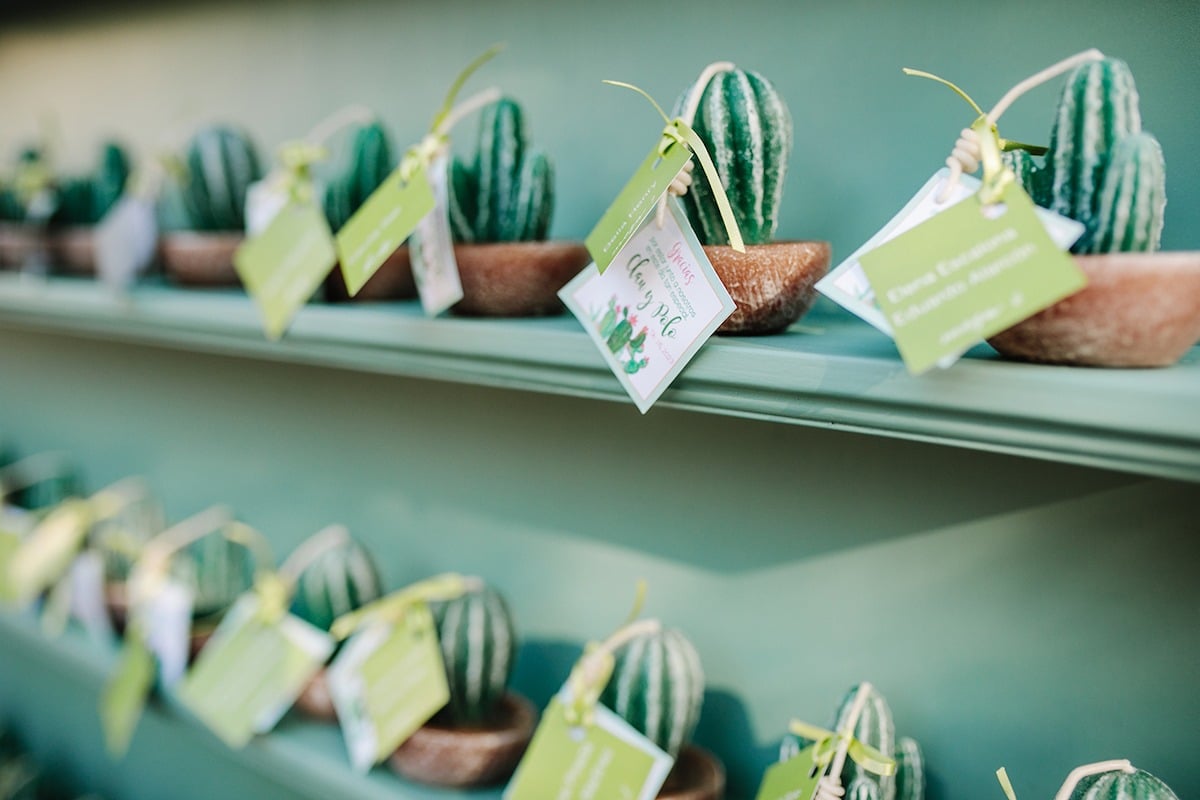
x=394 y=607
x=827 y=743
x=996 y=177
x=297 y=158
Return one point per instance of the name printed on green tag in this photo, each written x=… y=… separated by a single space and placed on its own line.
x=284 y=265
x=381 y=225
x=964 y=275
x=125 y=693
x=388 y=681
x=627 y=213
x=607 y=759
x=435 y=269
x=652 y=312
x=251 y=671
x=794 y=779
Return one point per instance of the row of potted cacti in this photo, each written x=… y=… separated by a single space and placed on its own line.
x=1102 y=170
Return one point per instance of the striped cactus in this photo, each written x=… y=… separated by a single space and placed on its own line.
x=217 y=569
x=51 y=490
x=121 y=538
x=747 y=129
x=910 y=770
x=507 y=194
x=368 y=162
x=1029 y=177
x=1132 y=198
x=657 y=686
x=479 y=645
x=1121 y=785
x=85 y=199
x=340 y=580
x=221 y=165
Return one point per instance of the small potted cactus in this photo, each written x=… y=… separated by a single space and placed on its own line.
x=22 y=241
x=83 y=200
x=1114 y=779
x=220 y=165
x=218 y=569
x=1140 y=309
x=367 y=162
x=480 y=736
x=747 y=129
x=500 y=207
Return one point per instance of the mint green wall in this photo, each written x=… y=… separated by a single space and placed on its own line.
x=867 y=137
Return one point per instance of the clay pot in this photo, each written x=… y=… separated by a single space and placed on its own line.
x=315 y=701
x=73 y=250
x=392 y=281
x=18 y=242
x=772 y=284
x=516 y=279
x=1138 y=310
x=697 y=775
x=192 y=258
x=459 y=756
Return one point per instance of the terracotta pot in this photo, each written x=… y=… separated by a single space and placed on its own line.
x=697 y=775
x=73 y=250
x=315 y=701
x=772 y=284
x=1138 y=310
x=392 y=281
x=516 y=279
x=18 y=243
x=458 y=756
x=116 y=600
x=191 y=258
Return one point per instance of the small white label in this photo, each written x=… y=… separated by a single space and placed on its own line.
x=87 y=596
x=125 y=241
x=435 y=270
x=264 y=200
x=168 y=624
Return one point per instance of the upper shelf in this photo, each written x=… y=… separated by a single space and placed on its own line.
x=830 y=371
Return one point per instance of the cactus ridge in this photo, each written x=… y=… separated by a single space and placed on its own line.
x=1132 y=198
x=367 y=164
x=478 y=641
x=218 y=570
x=222 y=164
x=340 y=580
x=910 y=770
x=1120 y=785
x=85 y=199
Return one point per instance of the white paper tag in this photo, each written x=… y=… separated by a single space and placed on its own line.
x=87 y=596
x=264 y=200
x=435 y=270
x=125 y=241
x=653 y=308
x=167 y=620
x=847 y=284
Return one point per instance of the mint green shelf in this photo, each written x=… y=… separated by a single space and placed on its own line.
x=830 y=372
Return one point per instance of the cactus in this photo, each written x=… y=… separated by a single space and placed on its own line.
x=49 y=491
x=479 y=644
x=657 y=686
x=1121 y=785
x=121 y=538
x=747 y=130
x=85 y=199
x=368 y=163
x=221 y=165
x=1131 y=198
x=910 y=770
x=217 y=569
x=507 y=194
x=340 y=580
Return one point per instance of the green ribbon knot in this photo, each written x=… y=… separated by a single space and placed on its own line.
x=827 y=743
x=297 y=158
x=394 y=608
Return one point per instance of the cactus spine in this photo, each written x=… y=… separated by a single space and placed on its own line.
x=747 y=129
x=657 y=686
x=221 y=165
x=370 y=161
x=340 y=580
x=1121 y=785
x=507 y=193
x=479 y=643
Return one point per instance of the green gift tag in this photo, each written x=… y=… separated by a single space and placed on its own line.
x=607 y=759
x=966 y=274
x=125 y=694
x=286 y=263
x=252 y=670
x=387 y=682
x=377 y=229
x=626 y=214
x=794 y=779
x=9 y=542
x=45 y=555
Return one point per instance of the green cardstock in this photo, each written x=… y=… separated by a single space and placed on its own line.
x=9 y=542
x=387 y=682
x=623 y=218
x=381 y=225
x=286 y=263
x=44 y=556
x=962 y=276
x=125 y=694
x=794 y=779
x=252 y=670
x=607 y=759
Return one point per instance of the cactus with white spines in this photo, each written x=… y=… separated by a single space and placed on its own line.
x=657 y=686
x=507 y=193
x=479 y=646
x=217 y=569
x=368 y=162
x=910 y=770
x=1118 y=784
x=747 y=129
x=221 y=164
x=1132 y=197
x=341 y=579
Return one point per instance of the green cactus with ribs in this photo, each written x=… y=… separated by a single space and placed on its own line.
x=220 y=165
x=479 y=647
x=368 y=160
x=85 y=199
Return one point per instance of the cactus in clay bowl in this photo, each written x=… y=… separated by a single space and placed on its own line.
x=747 y=129
x=500 y=206
x=1140 y=308
x=84 y=200
x=480 y=735
x=220 y=164
x=218 y=570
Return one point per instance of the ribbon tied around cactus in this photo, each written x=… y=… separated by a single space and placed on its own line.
x=393 y=608
x=827 y=743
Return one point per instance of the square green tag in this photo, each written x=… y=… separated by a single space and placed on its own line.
x=966 y=274
x=794 y=779
x=607 y=759
x=286 y=263
x=381 y=225
x=125 y=694
x=623 y=218
x=252 y=671
x=387 y=682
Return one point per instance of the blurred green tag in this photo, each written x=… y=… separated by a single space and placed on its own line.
x=125 y=694
x=607 y=759
x=9 y=542
x=44 y=556
x=794 y=779
x=387 y=682
x=966 y=274
x=284 y=265
x=252 y=670
x=381 y=225
x=626 y=214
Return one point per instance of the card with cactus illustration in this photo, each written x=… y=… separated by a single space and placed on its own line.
x=652 y=311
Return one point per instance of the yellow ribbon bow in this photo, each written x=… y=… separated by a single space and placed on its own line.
x=827 y=743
